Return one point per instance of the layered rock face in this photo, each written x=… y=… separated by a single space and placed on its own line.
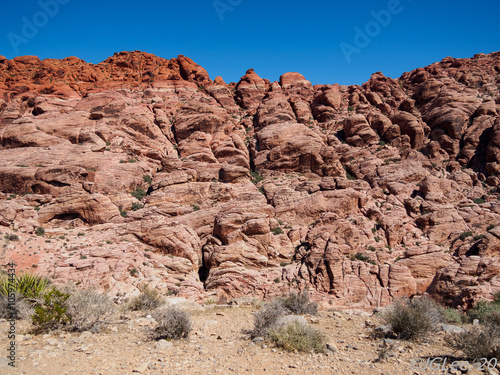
x=143 y=170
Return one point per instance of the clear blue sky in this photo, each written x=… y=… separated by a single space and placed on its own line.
x=272 y=37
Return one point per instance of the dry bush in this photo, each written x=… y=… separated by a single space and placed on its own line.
x=22 y=308
x=493 y=318
x=478 y=342
x=265 y=319
x=88 y=310
x=148 y=300
x=297 y=336
x=173 y=323
x=412 y=319
x=299 y=303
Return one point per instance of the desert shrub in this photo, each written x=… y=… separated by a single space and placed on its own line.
x=148 y=300
x=265 y=319
x=88 y=310
x=139 y=193
x=39 y=231
x=28 y=285
x=277 y=231
x=483 y=309
x=298 y=336
x=493 y=318
x=256 y=177
x=137 y=206
x=299 y=303
x=464 y=235
x=478 y=342
x=411 y=319
x=454 y=316
x=11 y=237
x=147 y=178
x=173 y=323
x=21 y=309
x=51 y=313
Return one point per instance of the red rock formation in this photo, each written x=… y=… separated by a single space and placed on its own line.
x=362 y=193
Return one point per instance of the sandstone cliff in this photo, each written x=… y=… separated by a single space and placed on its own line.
x=143 y=170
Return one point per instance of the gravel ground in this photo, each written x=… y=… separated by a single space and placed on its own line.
x=218 y=344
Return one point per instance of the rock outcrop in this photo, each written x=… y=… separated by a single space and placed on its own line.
x=143 y=170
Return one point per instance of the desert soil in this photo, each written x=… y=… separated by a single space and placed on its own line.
x=218 y=344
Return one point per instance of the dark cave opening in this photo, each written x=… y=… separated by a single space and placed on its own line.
x=203 y=273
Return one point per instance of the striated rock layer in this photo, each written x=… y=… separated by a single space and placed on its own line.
x=143 y=170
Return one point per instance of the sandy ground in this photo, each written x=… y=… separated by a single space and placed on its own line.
x=218 y=344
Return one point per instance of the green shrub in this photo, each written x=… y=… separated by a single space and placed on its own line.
x=11 y=237
x=256 y=177
x=139 y=193
x=350 y=109
x=51 y=313
x=296 y=336
x=490 y=227
x=277 y=231
x=348 y=175
x=137 y=206
x=479 y=201
x=453 y=316
x=195 y=207
x=147 y=178
x=134 y=271
x=173 y=323
x=483 y=309
x=412 y=319
x=39 y=231
x=464 y=235
x=148 y=300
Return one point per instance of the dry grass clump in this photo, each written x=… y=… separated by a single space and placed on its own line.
x=412 y=319
x=88 y=310
x=299 y=303
x=173 y=323
x=297 y=336
x=20 y=309
x=148 y=300
x=265 y=319
x=477 y=342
